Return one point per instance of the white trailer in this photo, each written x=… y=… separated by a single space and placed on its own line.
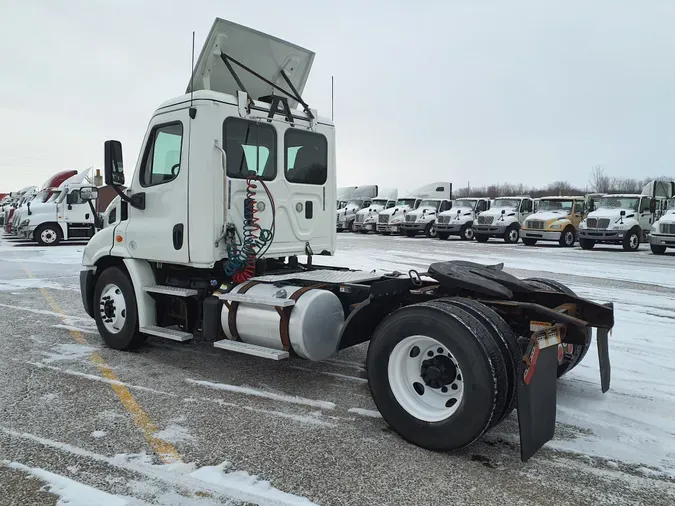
x=366 y=218
x=459 y=220
x=234 y=185
x=624 y=219
x=503 y=219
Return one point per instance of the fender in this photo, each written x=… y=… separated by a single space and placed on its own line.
x=141 y=275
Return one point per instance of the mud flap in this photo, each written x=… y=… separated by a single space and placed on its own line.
x=603 y=357
x=537 y=395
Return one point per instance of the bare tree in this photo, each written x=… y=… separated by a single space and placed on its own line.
x=600 y=182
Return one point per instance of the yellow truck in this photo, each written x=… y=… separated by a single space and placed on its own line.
x=556 y=219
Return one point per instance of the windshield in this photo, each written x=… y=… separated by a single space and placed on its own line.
x=379 y=202
x=556 y=205
x=429 y=203
x=468 y=204
x=619 y=203
x=506 y=203
x=61 y=197
x=54 y=196
x=355 y=203
x=406 y=202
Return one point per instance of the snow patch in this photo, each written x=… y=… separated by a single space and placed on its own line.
x=332 y=374
x=71 y=351
x=71 y=492
x=7 y=285
x=174 y=433
x=99 y=434
x=264 y=394
x=365 y=412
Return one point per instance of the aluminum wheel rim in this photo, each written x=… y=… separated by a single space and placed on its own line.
x=569 y=238
x=432 y=231
x=633 y=241
x=468 y=233
x=405 y=371
x=513 y=235
x=113 y=308
x=48 y=236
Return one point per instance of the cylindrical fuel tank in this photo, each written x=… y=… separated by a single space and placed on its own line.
x=314 y=324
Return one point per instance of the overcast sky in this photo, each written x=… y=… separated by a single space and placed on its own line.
x=452 y=90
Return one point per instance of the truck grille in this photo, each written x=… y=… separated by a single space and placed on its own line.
x=536 y=224
x=360 y=218
x=410 y=219
x=668 y=228
x=485 y=220
x=443 y=219
x=597 y=223
x=383 y=218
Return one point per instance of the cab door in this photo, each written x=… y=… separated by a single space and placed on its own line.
x=578 y=213
x=160 y=231
x=645 y=217
x=526 y=206
x=75 y=209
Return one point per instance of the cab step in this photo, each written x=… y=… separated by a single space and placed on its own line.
x=171 y=290
x=251 y=349
x=257 y=301
x=173 y=334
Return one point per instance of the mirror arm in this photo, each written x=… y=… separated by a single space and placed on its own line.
x=136 y=201
x=98 y=222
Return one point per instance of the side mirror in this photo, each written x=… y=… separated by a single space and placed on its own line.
x=622 y=213
x=113 y=167
x=88 y=193
x=503 y=211
x=652 y=206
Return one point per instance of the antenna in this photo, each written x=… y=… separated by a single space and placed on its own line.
x=332 y=99
x=193 y=111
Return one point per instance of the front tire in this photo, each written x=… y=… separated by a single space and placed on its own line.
x=430 y=231
x=466 y=233
x=511 y=235
x=567 y=238
x=443 y=236
x=436 y=375
x=586 y=243
x=631 y=242
x=529 y=242
x=410 y=233
x=48 y=234
x=657 y=249
x=482 y=237
x=115 y=310
x=350 y=227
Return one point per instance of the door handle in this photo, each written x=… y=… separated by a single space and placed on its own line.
x=309 y=209
x=178 y=236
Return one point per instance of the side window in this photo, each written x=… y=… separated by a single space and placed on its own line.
x=390 y=204
x=579 y=207
x=526 y=206
x=445 y=205
x=306 y=157
x=162 y=157
x=250 y=148
x=112 y=217
x=75 y=197
x=644 y=205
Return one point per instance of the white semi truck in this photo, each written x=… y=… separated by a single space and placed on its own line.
x=423 y=219
x=366 y=218
x=361 y=198
x=624 y=219
x=210 y=243
x=662 y=233
x=65 y=216
x=503 y=219
x=391 y=220
x=459 y=220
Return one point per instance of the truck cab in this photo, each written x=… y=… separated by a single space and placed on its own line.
x=503 y=219
x=389 y=221
x=459 y=220
x=343 y=195
x=360 y=199
x=423 y=219
x=366 y=218
x=623 y=219
x=662 y=233
x=557 y=219
x=65 y=216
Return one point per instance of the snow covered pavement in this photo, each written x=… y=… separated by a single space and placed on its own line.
x=189 y=424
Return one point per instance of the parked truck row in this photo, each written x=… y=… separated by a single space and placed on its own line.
x=594 y=218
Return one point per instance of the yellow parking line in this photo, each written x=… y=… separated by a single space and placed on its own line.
x=166 y=451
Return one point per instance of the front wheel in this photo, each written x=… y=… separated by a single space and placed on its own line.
x=443 y=236
x=48 y=235
x=631 y=242
x=409 y=233
x=529 y=242
x=511 y=235
x=586 y=243
x=350 y=227
x=482 y=237
x=115 y=310
x=466 y=233
x=567 y=238
x=657 y=249
x=430 y=231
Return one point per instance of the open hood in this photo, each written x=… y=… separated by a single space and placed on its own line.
x=76 y=179
x=260 y=52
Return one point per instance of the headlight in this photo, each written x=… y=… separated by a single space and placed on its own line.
x=622 y=226
x=25 y=223
x=655 y=228
x=556 y=226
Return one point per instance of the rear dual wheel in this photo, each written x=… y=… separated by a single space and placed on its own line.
x=441 y=373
